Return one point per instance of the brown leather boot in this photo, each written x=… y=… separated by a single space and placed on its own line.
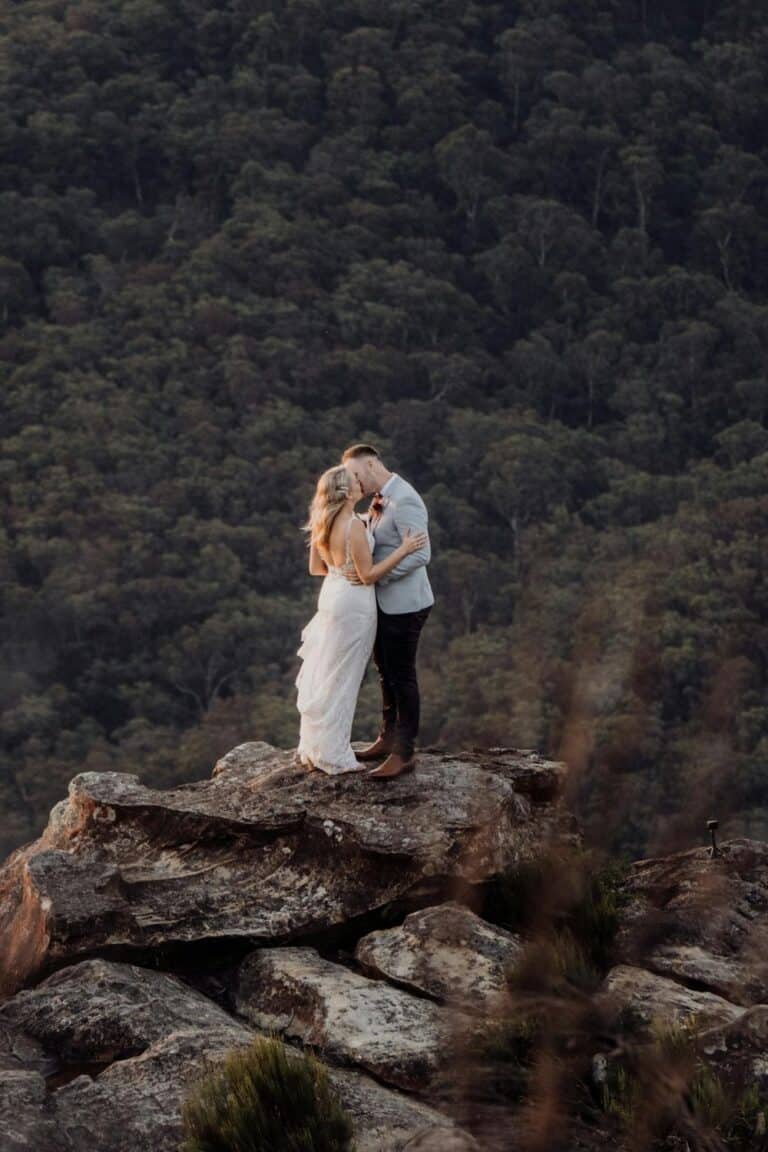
x=392 y=767
x=380 y=748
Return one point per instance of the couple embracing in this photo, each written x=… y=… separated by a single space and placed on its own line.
x=375 y=597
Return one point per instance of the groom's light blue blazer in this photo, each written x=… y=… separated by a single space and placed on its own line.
x=406 y=588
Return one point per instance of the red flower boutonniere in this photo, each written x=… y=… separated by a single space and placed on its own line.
x=378 y=504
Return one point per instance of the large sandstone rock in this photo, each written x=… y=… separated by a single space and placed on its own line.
x=402 y=1039
x=656 y=999
x=145 y=1036
x=446 y=952
x=261 y=851
x=703 y=921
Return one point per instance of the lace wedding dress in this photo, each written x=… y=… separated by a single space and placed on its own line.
x=336 y=646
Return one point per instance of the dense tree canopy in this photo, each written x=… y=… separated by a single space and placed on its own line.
x=523 y=247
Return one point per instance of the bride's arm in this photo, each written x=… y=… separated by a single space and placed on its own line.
x=367 y=571
x=317 y=566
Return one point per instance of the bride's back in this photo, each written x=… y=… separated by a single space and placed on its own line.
x=336 y=553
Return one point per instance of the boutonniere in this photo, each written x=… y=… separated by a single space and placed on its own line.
x=379 y=503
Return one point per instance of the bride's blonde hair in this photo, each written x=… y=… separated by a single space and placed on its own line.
x=331 y=495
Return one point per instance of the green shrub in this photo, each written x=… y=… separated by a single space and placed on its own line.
x=569 y=893
x=594 y=920
x=708 y=1106
x=618 y=1095
x=265 y=1099
x=573 y=962
x=499 y=1059
x=514 y=898
x=738 y=1116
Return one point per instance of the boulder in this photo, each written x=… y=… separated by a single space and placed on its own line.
x=402 y=1039
x=701 y=920
x=143 y=1037
x=657 y=999
x=263 y=852
x=101 y=1012
x=446 y=952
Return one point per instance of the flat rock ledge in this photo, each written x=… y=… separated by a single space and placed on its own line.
x=262 y=851
x=445 y=952
x=101 y=1056
x=401 y=1039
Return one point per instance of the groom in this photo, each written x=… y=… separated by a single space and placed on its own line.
x=404 y=600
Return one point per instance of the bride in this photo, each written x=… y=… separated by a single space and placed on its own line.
x=337 y=642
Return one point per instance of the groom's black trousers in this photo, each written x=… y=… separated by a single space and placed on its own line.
x=397 y=637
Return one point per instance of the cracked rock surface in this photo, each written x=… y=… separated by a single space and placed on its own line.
x=400 y=1038
x=143 y=1037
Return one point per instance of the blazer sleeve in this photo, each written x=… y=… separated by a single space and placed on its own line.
x=410 y=512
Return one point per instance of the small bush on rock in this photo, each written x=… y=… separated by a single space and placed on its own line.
x=265 y=1099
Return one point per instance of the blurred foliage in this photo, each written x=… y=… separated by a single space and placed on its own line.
x=521 y=247
x=570 y=902
x=664 y=1096
x=562 y=1064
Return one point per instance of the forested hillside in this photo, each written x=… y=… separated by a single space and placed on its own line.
x=523 y=247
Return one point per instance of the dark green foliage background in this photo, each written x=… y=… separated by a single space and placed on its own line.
x=523 y=247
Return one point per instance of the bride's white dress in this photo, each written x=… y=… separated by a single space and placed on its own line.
x=336 y=646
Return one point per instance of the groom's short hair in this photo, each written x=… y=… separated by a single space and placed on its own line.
x=359 y=450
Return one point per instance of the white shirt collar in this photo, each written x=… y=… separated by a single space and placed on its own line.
x=388 y=484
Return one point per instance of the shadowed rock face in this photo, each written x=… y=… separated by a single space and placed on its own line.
x=446 y=952
x=261 y=851
x=703 y=922
x=152 y=1036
